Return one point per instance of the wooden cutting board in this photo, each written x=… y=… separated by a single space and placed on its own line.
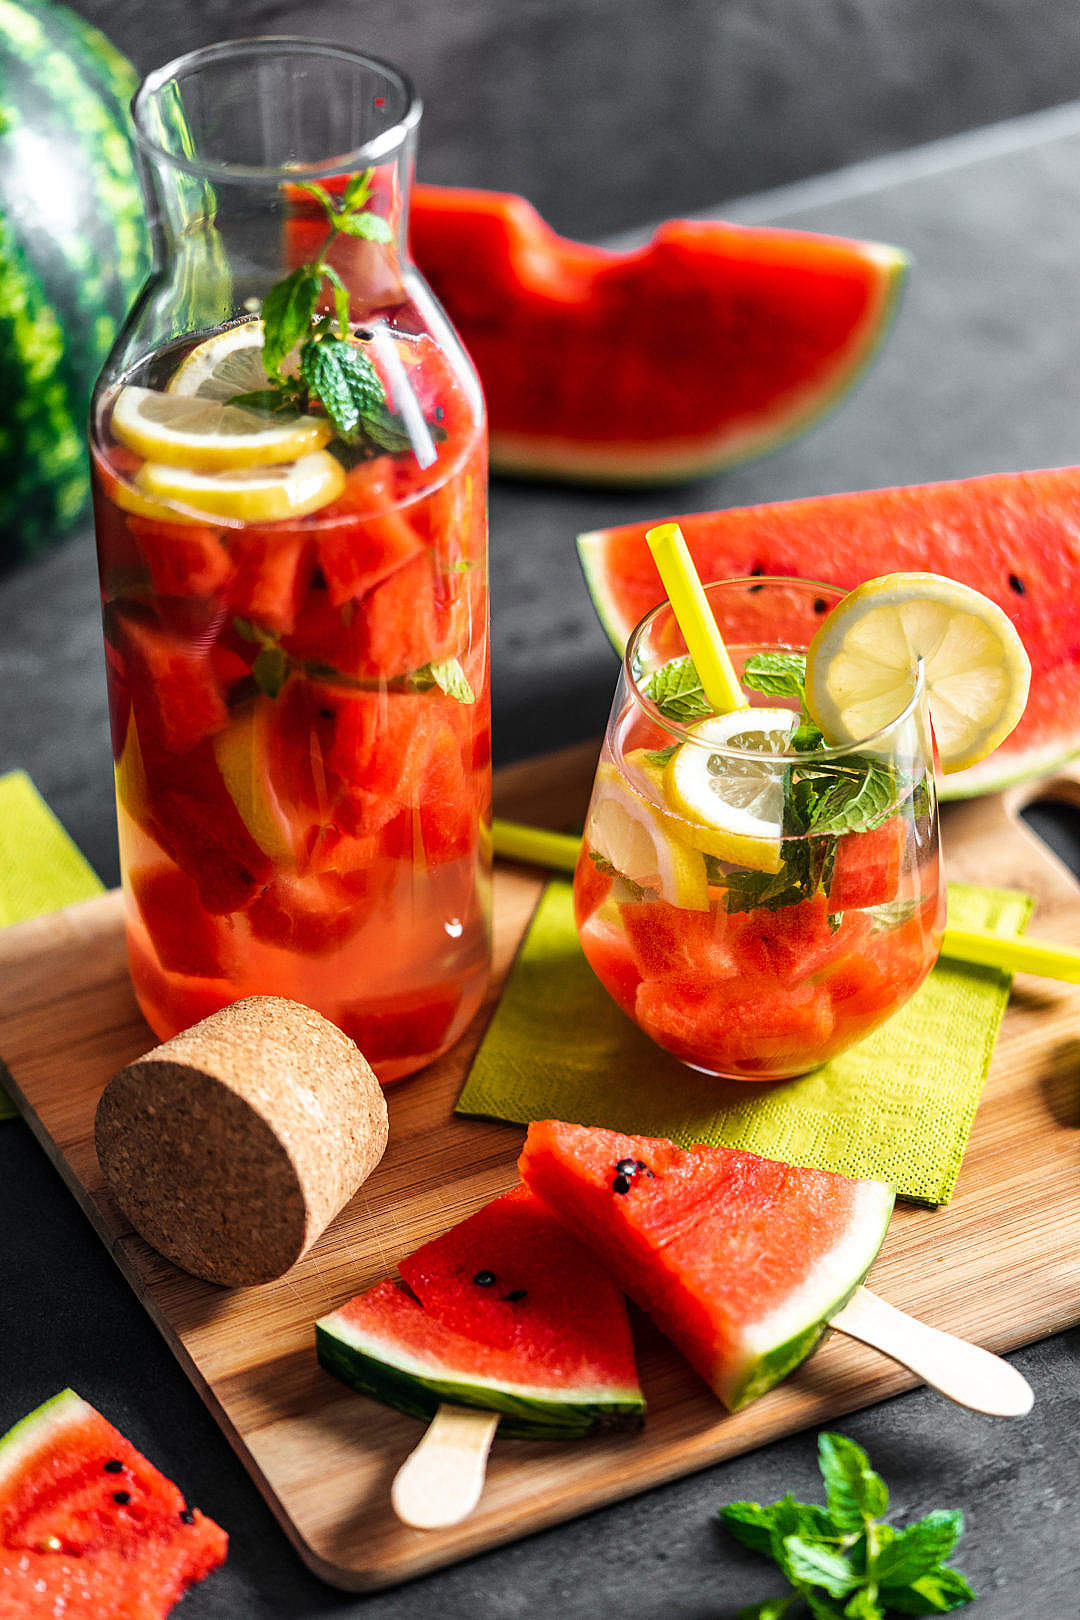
x=1001 y=1265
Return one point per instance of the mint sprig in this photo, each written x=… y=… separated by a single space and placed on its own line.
x=330 y=365
x=842 y=1561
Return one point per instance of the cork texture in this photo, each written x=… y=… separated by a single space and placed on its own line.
x=233 y=1145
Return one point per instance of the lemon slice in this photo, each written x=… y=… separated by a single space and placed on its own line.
x=636 y=838
x=194 y=432
x=861 y=667
x=250 y=494
x=733 y=804
x=227 y=364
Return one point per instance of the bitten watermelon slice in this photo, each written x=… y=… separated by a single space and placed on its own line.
x=507 y=1312
x=1013 y=536
x=88 y=1527
x=708 y=347
x=740 y=1260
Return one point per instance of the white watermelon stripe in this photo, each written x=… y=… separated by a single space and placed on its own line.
x=390 y=1352
x=38 y=1431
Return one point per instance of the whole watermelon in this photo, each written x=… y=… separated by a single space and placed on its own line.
x=74 y=251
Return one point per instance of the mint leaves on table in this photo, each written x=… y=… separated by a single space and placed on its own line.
x=330 y=365
x=842 y=1561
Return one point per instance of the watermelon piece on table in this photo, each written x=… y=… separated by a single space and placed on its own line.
x=1013 y=536
x=739 y=1260
x=507 y=1312
x=576 y=345
x=89 y=1528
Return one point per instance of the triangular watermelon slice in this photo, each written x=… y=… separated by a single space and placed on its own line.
x=1013 y=536
x=508 y=1312
x=740 y=1260
x=89 y=1528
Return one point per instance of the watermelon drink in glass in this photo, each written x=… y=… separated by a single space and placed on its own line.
x=290 y=494
x=754 y=900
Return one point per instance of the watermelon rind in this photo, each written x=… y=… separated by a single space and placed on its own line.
x=775 y=1345
x=37 y=1431
x=660 y=460
x=382 y=1369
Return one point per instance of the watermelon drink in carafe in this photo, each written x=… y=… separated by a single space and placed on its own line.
x=290 y=498
x=755 y=900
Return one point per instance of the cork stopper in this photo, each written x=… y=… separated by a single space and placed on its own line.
x=231 y=1146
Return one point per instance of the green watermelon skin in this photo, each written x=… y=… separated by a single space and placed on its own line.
x=546 y=1344
x=740 y=1260
x=88 y=1527
x=1013 y=536
x=74 y=251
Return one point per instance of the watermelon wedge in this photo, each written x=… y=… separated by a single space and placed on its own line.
x=88 y=1527
x=740 y=1260
x=1013 y=536
x=507 y=1312
x=710 y=346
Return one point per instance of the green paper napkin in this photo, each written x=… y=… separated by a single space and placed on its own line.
x=898 y=1106
x=40 y=867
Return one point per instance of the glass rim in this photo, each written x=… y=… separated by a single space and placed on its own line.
x=683 y=731
x=367 y=155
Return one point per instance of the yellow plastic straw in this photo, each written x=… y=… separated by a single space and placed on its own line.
x=690 y=606
x=559 y=851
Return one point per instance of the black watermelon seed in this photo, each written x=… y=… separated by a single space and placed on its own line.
x=114 y=1466
x=752 y=590
x=629 y=1167
x=515 y=1294
x=187 y=1517
x=1017 y=584
x=641 y=1165
x=484 y=1279
x=123 y=1497
x=820 y=604
x=757 y=569
x=621 y=1184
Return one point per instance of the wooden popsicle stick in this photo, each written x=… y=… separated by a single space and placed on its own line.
x=440 y=1482
x=962 y=1372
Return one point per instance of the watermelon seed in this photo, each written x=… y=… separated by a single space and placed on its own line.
x=628 y=1167
x=50 y=1544
x=621 y=1184
x=186 y=1516
x=123 y=1497
x=114 y=1466
x=484 y=1279
x=820 y=604
x=515 y=1294
x=1017 y=584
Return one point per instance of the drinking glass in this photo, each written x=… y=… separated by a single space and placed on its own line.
x=296 y=642
x=741 y=972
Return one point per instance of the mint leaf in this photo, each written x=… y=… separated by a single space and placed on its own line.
x=810 y=1562
x=853 y=1492
x=768 y=1608
x=450 y=678
x=345 y=381
x=805 y=738
x=677 y=691
x=780 y=674
x=660 y=756
x=370 y=226
x=388 y=432
x=271 y=670
x=748 y=1522
x=936 y=1593
x=854 y=802
x=862 y=1606
x=608 y=868
x=820 y=1606
x=341 y=299
x=286 y=314
x=357 y=190
x=918 y=1550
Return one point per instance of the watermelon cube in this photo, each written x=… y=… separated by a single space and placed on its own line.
x=184 y=559
x=174 y=691
x=869 y=866
x=186 y=938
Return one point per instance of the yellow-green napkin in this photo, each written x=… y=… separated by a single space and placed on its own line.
x=40 y=868
x=898 y=1106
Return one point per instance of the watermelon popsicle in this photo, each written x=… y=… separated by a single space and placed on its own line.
x=505 y=1321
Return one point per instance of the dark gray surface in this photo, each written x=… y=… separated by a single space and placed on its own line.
x=980 y=374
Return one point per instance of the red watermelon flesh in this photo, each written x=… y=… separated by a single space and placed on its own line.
x=868 y=866
x=174 y=689
x=576 y=345
x=88 y=1527
x=184 y=559
x=740 y=1260
x=507 y=1311
x=1013 y=536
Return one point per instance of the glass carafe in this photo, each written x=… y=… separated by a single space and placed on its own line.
x=290 y=494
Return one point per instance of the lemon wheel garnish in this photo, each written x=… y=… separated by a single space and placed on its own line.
x=861 y=667
x=205 y=434
x=227 y=364
x=635 y=837
x=732 y=804
x=252 y=494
